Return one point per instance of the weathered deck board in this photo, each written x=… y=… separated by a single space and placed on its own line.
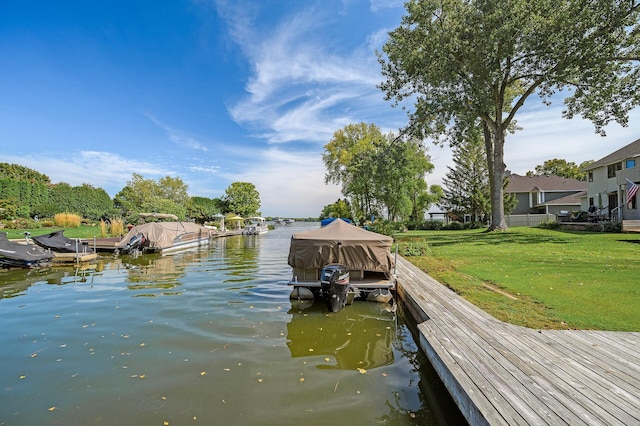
x=499 y=373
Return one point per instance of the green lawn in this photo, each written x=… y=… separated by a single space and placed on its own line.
x=535 y=277
x=84 y=231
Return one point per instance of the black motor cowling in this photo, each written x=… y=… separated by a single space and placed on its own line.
x=137 y=242
x=334 y=281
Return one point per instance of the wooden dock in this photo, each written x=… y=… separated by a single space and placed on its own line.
x=503 y=374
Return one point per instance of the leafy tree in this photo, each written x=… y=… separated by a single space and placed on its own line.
x=203 y=209
x=562 y=168
x=21 y=173
x=350 y=158
x=399 y=177
x=377 y=172
x=341 y=208
x=460 y=61
x=241 y=198
x=140 y=195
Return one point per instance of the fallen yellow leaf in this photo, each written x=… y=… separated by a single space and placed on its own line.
x=52 y=408
x=362 y=370
x=203 y=373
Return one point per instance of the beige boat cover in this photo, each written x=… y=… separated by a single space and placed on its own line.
x=341 y=242
x=162 y=235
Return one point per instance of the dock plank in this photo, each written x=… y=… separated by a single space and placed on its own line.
x=500 y=373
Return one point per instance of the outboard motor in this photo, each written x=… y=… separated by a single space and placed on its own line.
x=136 y=242
x=334 y=281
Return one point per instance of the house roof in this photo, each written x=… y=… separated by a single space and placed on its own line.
x=548 y=183
x=569 y=200
x=629 y=151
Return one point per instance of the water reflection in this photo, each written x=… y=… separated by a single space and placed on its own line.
x=357 y=337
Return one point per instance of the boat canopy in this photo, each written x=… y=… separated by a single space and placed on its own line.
x=340 y=242
x=161 y=235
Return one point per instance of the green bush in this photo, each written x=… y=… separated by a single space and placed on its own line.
x=454 y=226
x=22 y=223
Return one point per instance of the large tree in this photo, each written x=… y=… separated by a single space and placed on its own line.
x=241 y=198
x=463 y=60
x=140 y=195
x=466 y=185
x=378 y=173
x=560 y=167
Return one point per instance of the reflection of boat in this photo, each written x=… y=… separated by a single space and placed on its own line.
x=164 y=237
x=56 y=241
x=365 y=254
x=358 y=337
x=255 y=225
x=19 y=255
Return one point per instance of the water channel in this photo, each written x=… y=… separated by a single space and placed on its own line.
x=204 y=337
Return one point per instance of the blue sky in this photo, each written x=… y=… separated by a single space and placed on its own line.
x=219 y=91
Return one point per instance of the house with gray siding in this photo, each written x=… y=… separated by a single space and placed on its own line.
x=546 y=194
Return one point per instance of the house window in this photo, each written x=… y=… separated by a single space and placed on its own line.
x=612 y=169
x=630 y=164
x=590 y=176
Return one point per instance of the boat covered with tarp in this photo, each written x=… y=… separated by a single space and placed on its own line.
x=17 y=255
x=164 y=237
x=56 y=241
x=366 y=256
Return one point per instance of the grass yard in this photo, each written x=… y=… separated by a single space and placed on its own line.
x=83 y=231
x=535 y=277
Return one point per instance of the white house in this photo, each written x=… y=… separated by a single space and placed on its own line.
x=608 y=179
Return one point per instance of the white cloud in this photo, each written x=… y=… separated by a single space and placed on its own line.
x=178 y=137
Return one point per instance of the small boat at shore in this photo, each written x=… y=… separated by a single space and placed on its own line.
x=57 y=242
x=255 y=225
x=164 y=237
x=17 y=255
x=340 y=262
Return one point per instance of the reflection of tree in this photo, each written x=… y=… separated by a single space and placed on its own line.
x=358 y=336
x=240 y=254
x=154 y=271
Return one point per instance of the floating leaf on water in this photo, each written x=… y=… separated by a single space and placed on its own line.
x=384 y=374
x=165 y=423
x=227 y=369
x=301 y=379
x=56 y=316
x=310 y=349
x=142 y=344
x=22 y=377
x=52 y=408
x=34 y=355
x=260 y=380
x=142 y=376
x=362 y=370
x=327 y=359
x=164 y=398
x=203 y=373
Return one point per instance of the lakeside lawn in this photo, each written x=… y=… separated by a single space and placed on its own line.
x=535 y=277
x=83 y=231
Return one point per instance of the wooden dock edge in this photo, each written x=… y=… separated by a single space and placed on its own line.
x=457 y=391
x=502 y=374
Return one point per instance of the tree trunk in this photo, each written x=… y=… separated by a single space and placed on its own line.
x=494 y=144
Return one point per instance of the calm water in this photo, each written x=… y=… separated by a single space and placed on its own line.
x=207 y=337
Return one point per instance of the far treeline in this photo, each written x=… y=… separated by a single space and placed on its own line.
x=26 y=194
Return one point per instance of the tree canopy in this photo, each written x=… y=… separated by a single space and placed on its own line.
x=563 y=168
x=241 y=198
x=140 y=195
x=379 y=174
x=461 y=61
